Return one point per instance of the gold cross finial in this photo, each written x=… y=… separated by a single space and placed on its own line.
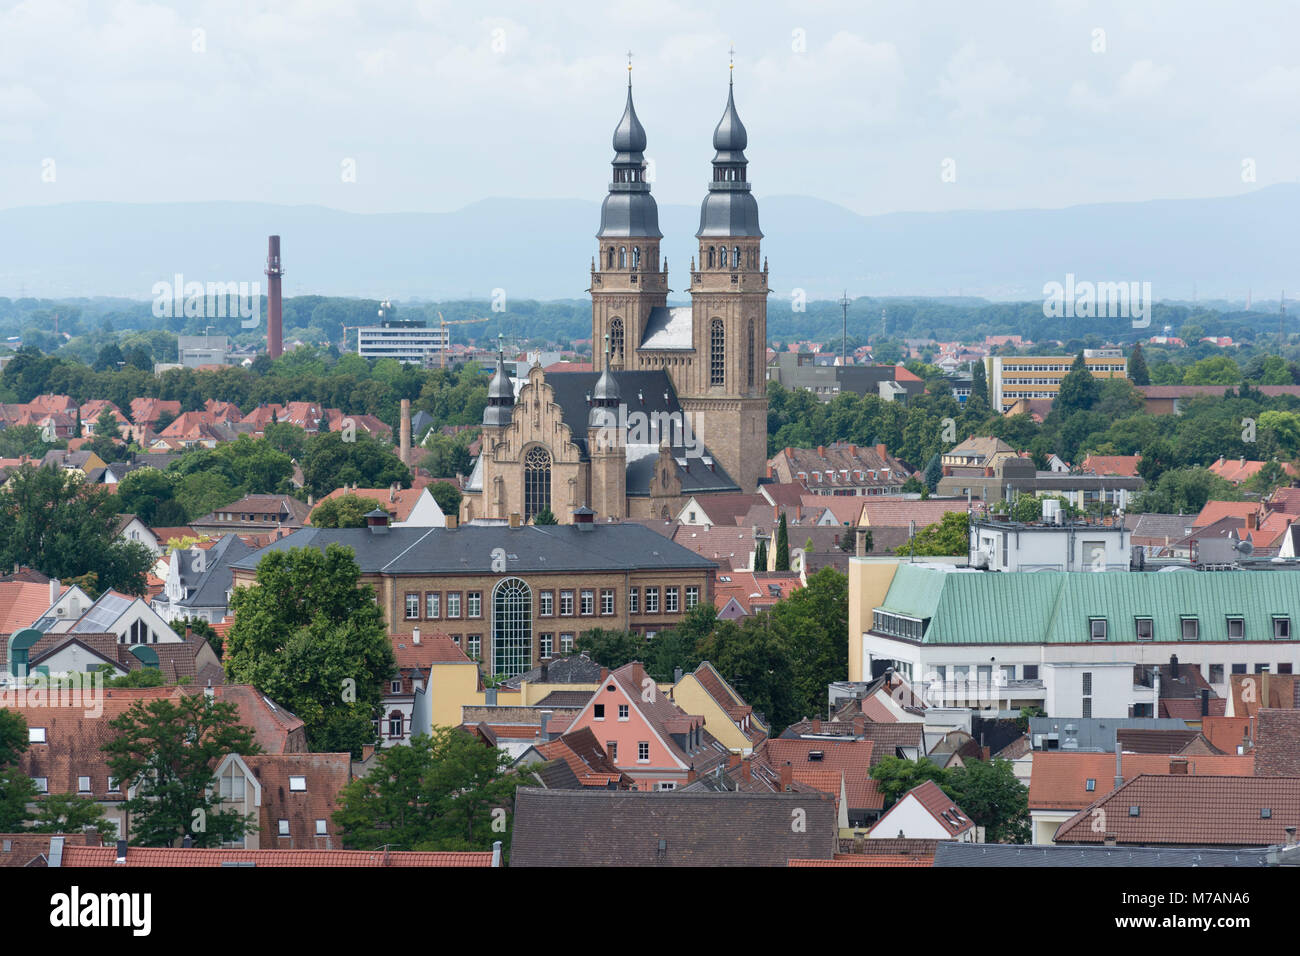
x=732 y=53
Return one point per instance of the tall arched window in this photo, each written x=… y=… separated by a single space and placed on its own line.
x=750 y=376
x=512 y=627
x=718 y=353
x=722 y=257
x=636 y=257
x=610 y=258
x=616 y=340
x=537 y=482
x=735 y=257
x=710 y=257
x=622 y=257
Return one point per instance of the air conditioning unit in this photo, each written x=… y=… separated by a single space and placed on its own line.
x=60 y=612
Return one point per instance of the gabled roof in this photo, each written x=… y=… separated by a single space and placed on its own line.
x=936 y=803
x=398 y=503
x=433 y=649
x=1124 y=465
x=897 y=512
x=852 y=758
x=1251 y=692
x=1217 y=510
x=1277 y=743
x=1192 y=810
x=635 y=828
x=583 y=754
x=665 y=719
x=732 y=704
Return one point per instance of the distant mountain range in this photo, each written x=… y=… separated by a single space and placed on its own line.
x=542 y=249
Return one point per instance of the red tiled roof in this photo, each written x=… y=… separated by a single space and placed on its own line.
x=1226 y=733
x=1058 y=781
x=751 y=590
x=175 y=856
x=1123 y=465
x=897 y=512
x=1218 y=510
x=1191 y=810
x=938 y=804
x=21 y=603
x=1189 y=708
x=397 y=503
x=434 y=648
x=852 y=758
x=1250 y=692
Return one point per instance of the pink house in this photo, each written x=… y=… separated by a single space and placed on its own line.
x=645 y=734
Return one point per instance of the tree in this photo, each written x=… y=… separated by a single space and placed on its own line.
x=782 y=562
x=69 y=813
x=1079 y=390
x=610 y=648
x=895 y=776
x=446 y=791
x=760 y=555
x=1215 y=370
x=951 y=535
x=989 y=793
x=345 y=511
x=1137 y=366
x=979 y=384
x=51 y=520
x=754 y=656
x=166 y=750
x=330 y=460
x=933 y=473
x=813 y=621
x=544 y=517
x=17 y=789
x=447 y=495
x=310 y=637
x=913 y=486
x=202 y=628
x=142 y=491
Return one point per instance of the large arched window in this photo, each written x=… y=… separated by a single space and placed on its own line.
x=751 y=354
x=616 y=340
x=710 y=257
x=735 y=257
x=512 y=627
x=610 y=257
x=537 y=482
x=622 y=257
x=636 y=257
x=718 y=353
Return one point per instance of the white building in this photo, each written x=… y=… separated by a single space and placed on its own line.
x=1016 y=546
x=413 y=344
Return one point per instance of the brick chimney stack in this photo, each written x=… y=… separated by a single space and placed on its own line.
x=274 y=312
x=406 y=432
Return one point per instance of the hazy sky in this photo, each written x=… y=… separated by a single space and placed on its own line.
x=441 y=104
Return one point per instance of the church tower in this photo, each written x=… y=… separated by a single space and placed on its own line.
x=727 y=392
x=627 y=278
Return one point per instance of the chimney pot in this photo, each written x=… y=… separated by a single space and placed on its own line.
x=415 y=635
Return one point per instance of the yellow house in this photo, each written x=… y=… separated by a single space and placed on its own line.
x=869 y=581
x=726 y=716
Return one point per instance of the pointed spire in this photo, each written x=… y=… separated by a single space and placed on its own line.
x=729 y=209
x=629 y=210
x=501 y=392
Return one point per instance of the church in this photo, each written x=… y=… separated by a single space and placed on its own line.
x=677 y=403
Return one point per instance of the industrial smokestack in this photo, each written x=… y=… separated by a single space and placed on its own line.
x=274 y=316
x=406 y=432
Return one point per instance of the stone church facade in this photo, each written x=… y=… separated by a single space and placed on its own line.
x=677 y=404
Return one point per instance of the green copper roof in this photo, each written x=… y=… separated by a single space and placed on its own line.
x=1056 y=607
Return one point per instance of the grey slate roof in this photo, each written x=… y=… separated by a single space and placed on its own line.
x=214 y=580
x=468 y=549
x=575 y=669
x=1000 y=854
x=626 y=828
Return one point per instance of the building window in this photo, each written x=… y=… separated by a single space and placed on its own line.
x=1216 y=673
x=1284 y=667
x=395 y=723
x=616 y=340
x=611 y=748
x=42 y=784
x=83 y=785
x=566 y=643
x=1191 y=628
x=546 y=603
x=432 y=604
x=36 y=735
x=322 y=828
x=284 y=828
x=624 y=712
x=1236 y=628
x=1282 y=628
x=633 y=600
x=546 y=642
x=588 y=603
x=113 y=785
x=667 y=785
x=1098 y=627
x=1239 y=668
x=652 y=600
x=1031 y=672
x=598 y=712
x=1091 y=784
x=1087 y=707
x=566 y=604
x=717 y=353
x=453 y=604
x=537 y=482
x=474 y=600
x=297 y=784
x=750 y=375
x=643 y=751
x=512 y=627
x=412 y=606
x=692 y=596
x=1145 y=628
x=395 y=686
x=474 y=643
x=672 y=598
x=607 y=601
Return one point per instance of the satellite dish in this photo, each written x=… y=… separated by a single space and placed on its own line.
x=1245 y=547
